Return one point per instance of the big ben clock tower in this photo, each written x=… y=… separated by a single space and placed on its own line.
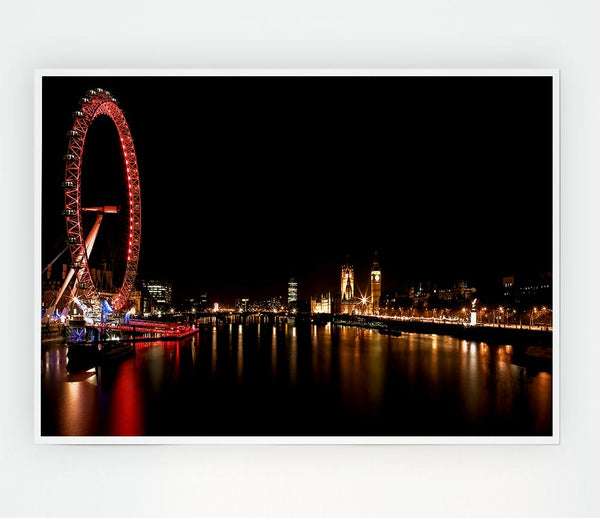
x=375 y=287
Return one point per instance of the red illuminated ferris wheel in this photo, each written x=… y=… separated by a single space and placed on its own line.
x=94 y=103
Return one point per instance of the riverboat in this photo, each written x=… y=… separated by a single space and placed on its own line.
x=85 y=353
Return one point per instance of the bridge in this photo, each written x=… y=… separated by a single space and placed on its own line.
x=481 y=332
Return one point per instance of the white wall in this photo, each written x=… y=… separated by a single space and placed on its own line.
x=483 y=481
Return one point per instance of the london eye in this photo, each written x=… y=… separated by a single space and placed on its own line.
x=80 y=242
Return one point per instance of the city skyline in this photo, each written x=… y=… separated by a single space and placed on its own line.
x=251 y=181
x=521 y=292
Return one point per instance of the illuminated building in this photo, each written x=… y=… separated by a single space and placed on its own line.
x=346 y=302
x=349 y=304
x=326 y=303
x=375 y=287
x=292 y=292
x=273 y=304
x=421 y=294
x=508 y=283
x=347 y=290
x=523 y=291
x=204 y=298
x=459 y=291
x=135 y=302
x=159 y=291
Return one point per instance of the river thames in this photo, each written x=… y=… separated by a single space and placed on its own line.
x=309 y=380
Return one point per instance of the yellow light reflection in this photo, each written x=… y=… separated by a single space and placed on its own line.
x=274 y=354
x=213 y=358
x=240 y=356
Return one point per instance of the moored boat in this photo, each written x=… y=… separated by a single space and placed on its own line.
x=86 y=353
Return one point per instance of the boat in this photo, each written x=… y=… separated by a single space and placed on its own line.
x=86 y=353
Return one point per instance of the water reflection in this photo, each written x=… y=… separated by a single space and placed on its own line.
x=321 y=357
x=274 y=353
x=214 y=352
x=240 y=354
x=78 y=395
x=301 y=380
x=292 y=354
x=126 y=406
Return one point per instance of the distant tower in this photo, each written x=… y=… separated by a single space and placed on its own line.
x=347 y=290
x=375 y=286
x=292 y=292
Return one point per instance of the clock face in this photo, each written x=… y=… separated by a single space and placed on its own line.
x=377 y=277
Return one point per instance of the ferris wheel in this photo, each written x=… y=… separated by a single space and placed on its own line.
x=95 y=103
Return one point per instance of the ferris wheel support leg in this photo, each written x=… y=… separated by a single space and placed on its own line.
x=52 y=306
x=89 y=244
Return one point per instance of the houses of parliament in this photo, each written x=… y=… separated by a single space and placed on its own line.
x=348 y=302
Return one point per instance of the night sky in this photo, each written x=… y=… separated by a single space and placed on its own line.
x=247 y=181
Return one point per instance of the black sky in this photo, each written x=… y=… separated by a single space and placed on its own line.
x=247 y=181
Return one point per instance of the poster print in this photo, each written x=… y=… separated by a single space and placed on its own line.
x=297 y=256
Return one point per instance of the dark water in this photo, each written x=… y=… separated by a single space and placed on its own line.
x=307 y=380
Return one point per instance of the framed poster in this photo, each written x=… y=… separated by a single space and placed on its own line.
x=297 y=256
